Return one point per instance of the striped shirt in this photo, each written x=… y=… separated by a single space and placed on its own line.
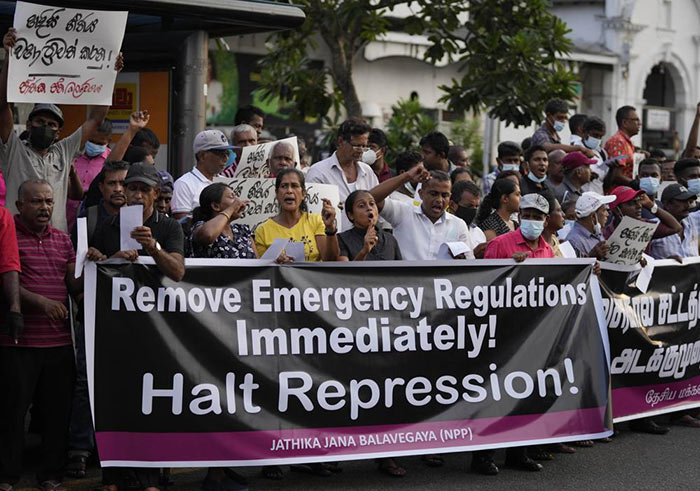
x=9 y=255
x=44 y=261
x=672 y=245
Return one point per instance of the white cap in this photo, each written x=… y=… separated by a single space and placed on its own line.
x=210 y=140
x=590 y=202
x=536 y=201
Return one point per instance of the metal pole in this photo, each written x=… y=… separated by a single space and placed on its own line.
x=488 y=144
x=189 y=101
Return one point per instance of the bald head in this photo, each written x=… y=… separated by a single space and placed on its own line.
x=555 y=170
x=281 y=157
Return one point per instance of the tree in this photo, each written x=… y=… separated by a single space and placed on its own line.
x=507 y=51
x=408 y=123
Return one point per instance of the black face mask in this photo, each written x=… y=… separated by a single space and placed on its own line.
x=41 y=137
x=466 y=214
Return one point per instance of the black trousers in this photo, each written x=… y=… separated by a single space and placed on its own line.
x=45 y=376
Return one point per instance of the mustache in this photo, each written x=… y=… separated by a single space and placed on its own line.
x=43 y=214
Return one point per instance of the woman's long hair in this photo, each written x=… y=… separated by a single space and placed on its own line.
x=209 y=195
x=491 y=202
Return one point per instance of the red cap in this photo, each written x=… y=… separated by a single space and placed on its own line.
x=623 y=194
x=574 y=160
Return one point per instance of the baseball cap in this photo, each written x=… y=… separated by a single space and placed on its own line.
x=676 y=191
x=536 y=201
x=210 y=140
x=166 y=180
x=589 y=202
x=47 y=108
x=623 y=194
x=574 y=160
x=145 y=173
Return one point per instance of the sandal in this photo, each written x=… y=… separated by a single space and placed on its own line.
x=584 y=443
x=77 y=466
x=688 y=421
x=52 y=486
x=539 y=453
x=273 y=472
x=433 y=460
x=389 y=467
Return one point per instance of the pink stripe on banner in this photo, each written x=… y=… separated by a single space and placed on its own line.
x=296 y=443
x=643 y=399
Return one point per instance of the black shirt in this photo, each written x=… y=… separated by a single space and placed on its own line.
x=165 y=230
x=352 y=241
x=528 y=186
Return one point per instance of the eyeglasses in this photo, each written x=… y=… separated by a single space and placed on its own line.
x=219 y=153
x=358 y=148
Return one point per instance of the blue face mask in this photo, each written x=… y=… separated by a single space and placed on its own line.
x=536 y=179
x=649 y=185
x=694 y=185
x=514 y=167
x=569 y=223
x=93 y=150
x=231 y=159
x=592 y=143
x=531 y=229
x=558 y=125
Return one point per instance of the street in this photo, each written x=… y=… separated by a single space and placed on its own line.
x=631 y=461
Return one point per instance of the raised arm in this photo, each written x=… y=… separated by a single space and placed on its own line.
x=692 y=142
x=328 y=244
x=6 y=118
x=138 y=120
x=97 y=113
x=384 y=189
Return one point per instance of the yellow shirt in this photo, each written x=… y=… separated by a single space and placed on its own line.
x=307 y=228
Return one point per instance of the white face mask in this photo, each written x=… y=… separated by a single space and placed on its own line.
x=592 y=143
x=558 y=125
x=369 y=156
x=513 y=167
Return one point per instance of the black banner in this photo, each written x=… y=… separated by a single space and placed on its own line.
x=246 y=363
x=654 y=339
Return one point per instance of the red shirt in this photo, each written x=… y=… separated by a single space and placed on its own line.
x=45 y=261
x=621 y=144
x=9 y=254
x=385 y=174
x=504 y=246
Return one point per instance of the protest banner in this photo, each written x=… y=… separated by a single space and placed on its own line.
x=255 y=158
x=246 y=362
x=629 y=240
x=262 y=204
x=654 y=338
x=64 y=56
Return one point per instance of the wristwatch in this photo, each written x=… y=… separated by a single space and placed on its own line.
x=157 y=246
x=654 y=209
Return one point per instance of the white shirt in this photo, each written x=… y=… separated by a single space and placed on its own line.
x=476 y=236
x=328 y=171
x=419 y=238
x=186 y=191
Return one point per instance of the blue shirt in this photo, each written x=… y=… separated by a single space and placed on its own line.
x=582 y=240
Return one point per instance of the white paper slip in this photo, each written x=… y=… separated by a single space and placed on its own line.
x=130 y=217
x=645 y=274
x=450 y=250
x=296 y=251
x=567 y=250
x=275 y=249
x=82 y=247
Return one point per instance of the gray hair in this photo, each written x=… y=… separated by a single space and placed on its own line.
x=23 y=187
x=242 y=128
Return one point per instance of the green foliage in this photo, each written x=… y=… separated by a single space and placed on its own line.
x=467 y=133
x=508 y=59
x=407 y=125
x=507 y=52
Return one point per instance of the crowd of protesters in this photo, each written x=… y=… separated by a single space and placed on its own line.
x=542 y=192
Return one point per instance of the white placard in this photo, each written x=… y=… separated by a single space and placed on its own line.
x=275 y=249
x=658 y=120
x=82 y=248
x=629 y=240
x=255 y=158
x=262 y=204
x=296 y=251
x=64 y=56
x=130 y=217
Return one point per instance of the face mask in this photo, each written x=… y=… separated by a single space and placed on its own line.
x=597 y=229
x=514 y=167
x=694 y=185
x=558 y=125
x=592 y=143
x=369 y=156
x=93 y=149
x=41 y=137
x=569 y=223
x=231 y=159
x=536 y=179
x=466 y=214
x=649 y=185
x=531 y=229
x=410 y=188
